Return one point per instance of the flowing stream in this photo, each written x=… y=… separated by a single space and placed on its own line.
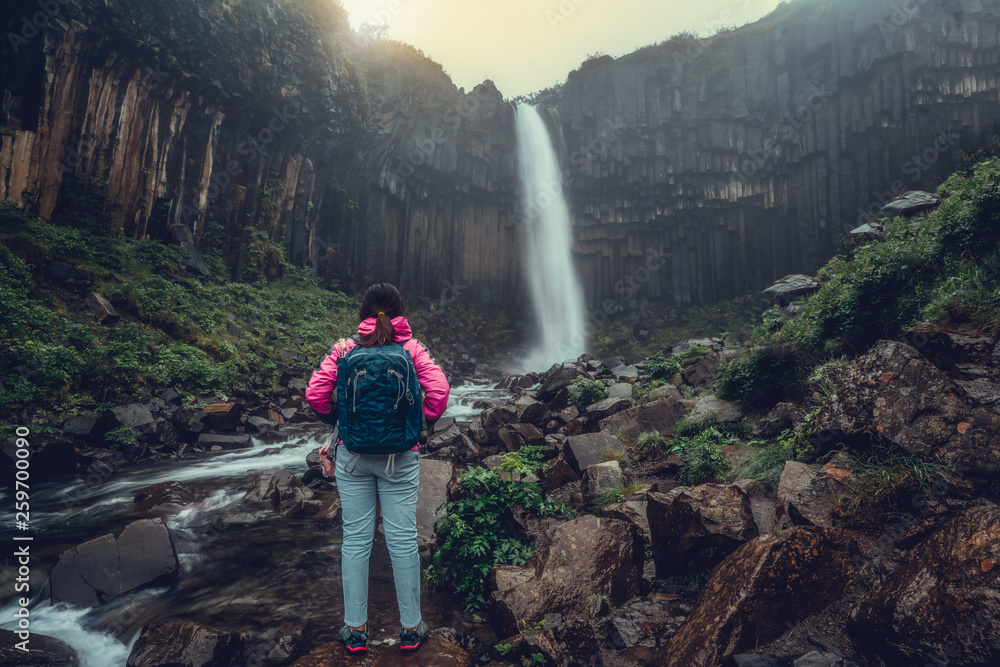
x=265 y=574
x=556 y=293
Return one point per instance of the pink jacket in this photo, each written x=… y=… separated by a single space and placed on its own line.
x=322 y=387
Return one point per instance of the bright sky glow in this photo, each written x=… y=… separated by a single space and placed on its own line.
x=527 y=45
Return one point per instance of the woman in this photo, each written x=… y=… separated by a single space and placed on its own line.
x=391 y=478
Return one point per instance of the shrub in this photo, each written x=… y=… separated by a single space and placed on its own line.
x=662 y=368
x=762 y=378
x=701 y=456
x=888 y=474
x=652 y=443
x=474 y=538
x=190 y=367
x=586 y=392
x=695 y=354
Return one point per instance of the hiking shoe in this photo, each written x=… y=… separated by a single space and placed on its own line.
x=353 y=639
x=410 y=640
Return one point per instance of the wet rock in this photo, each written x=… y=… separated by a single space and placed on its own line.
x=583 y=451
x=102 y=308
x=210 y=440
x=661 y=415
x=788 y=289
x=51 y=456
x=275 y=486
x=530 y=411
x=702 y=374
x=186 y=644
x=630 y=511
x=756 y=590
x=650 y=621
x=692 y=528
x=105 y=567
x=515 y=436
x=80 y=427
x=760 y=660
x=946 y=347
x=587 y=556
x=558 y=473
x=168 y=497
x=941 y=600
x=911 y=203
x=495 y=418
x=134 y=415
x=598 y=479
x=42 y=651
x=625 y=373
x=804 y=495
x=446 y=438
x=723 y=411
x=896 y=393
x=781 y=417
x=437 y=651
x=822 y=659
x=221 y=416
x=606 y=407
x=561 y=641
x=557 y=378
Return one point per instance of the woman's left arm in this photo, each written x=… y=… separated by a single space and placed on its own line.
x=433 y=380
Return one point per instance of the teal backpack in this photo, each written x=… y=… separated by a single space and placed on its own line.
x=378 y=400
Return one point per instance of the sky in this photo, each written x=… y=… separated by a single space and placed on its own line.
x=528 y=45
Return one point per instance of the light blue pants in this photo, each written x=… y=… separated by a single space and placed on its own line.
x=397 y=495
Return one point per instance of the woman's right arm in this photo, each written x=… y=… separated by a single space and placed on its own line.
x=323 y=384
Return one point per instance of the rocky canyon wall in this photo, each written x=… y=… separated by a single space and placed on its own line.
x=696 y=169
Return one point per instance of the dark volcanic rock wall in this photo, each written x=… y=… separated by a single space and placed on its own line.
x=697 y=170
x=748 y=155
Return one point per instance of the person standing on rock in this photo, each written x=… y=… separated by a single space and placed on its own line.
x=374 y=379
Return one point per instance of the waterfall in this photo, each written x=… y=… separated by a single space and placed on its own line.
x=548 y=240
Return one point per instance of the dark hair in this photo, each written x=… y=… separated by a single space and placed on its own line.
x=383 y=302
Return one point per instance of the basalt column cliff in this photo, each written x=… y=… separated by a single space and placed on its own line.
x=698 y=169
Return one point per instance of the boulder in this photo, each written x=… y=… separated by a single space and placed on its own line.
x=702 y=374
x=437 y=651
x=134 y=415
x=788 y=289
x=804 y=495
x=557 y=473
x=692 y=528
x=587 y=556
x=42 y=651
x=51 y=456
x=606 y=407
x=625 y=373
x=186 y=644
x=105 y=567
x=620 y=390
x=168 y=497
x=894 y=392
x=758 y=589
x=946 y=346
x=102 y=308
x=556 y=379
x=781 y=417
x=661 y=415
x=630 y=511
x=515 y=436
x=210 y=440
x=597 y=479
x=583 y=451
x=911 y=203
x=941 y=601
x=528 y=410
x=274 y=486
x=650 y=621
x=80 y=427
x=221 y=416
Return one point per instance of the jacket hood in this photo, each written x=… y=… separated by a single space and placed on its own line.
x=403 y=331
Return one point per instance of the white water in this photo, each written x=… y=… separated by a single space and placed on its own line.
x=548 y=241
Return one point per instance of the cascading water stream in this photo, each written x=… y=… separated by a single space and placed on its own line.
x=556 y=293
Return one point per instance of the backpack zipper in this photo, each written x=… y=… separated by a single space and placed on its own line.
x=361 y=372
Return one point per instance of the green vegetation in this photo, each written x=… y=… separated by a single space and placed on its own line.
x=695 y=354
x=652 y=443
x=175 y=332
x=616 y=494
x=701 y=455
x=888 y=475
x=761 y=377
x=661 y=368
x=474 y=539
x=586 y=392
